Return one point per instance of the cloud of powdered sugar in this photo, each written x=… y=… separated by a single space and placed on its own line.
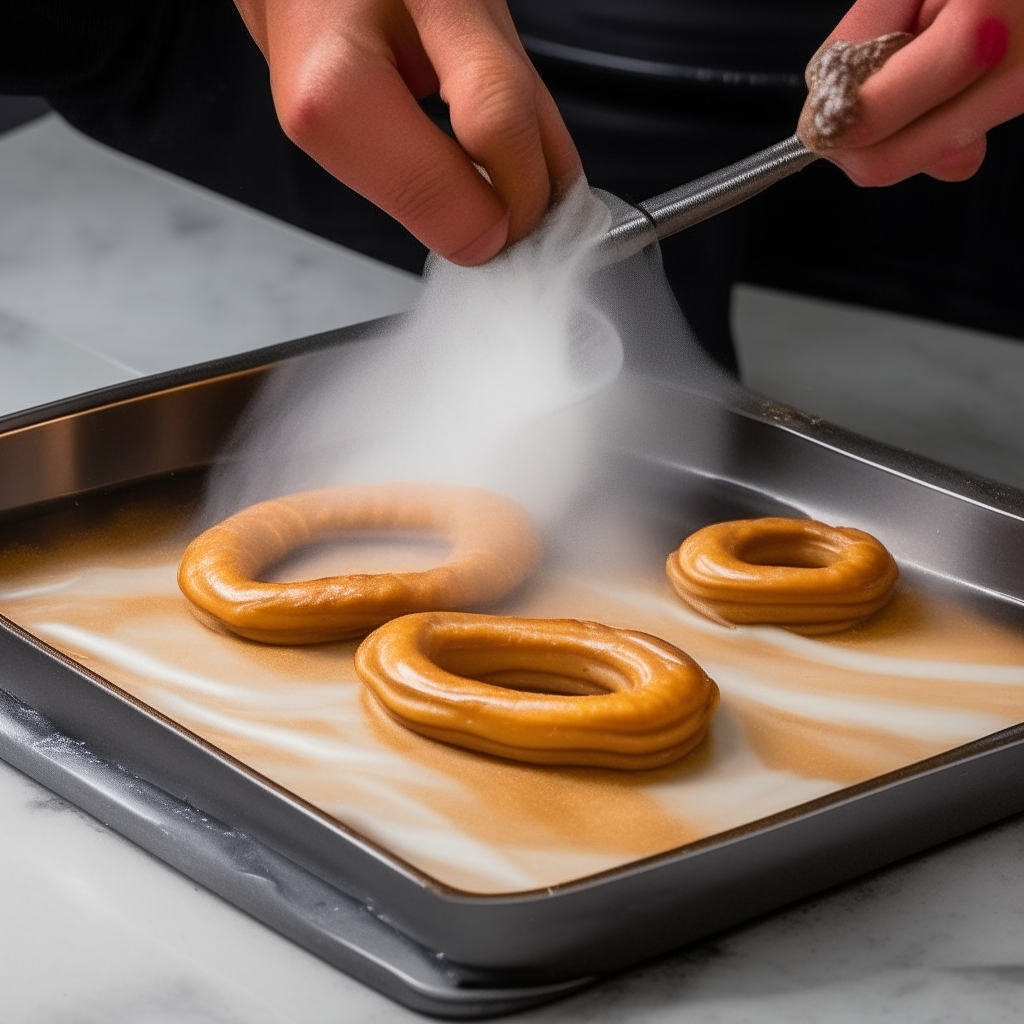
x=484 y=383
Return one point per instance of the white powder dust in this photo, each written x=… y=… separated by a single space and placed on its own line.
x=482 y=385
x=834 y=77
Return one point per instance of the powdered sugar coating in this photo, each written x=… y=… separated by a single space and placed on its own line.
x=834 y=77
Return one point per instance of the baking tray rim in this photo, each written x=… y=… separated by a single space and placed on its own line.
x=992 y=497
x=961 y=754
x=719 y=387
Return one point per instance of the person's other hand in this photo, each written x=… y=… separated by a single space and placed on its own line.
x=346 y=76
x=928 y=109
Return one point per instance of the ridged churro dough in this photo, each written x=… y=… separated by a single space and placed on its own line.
x=545 y=691
x=796 y=573
x=493 y=549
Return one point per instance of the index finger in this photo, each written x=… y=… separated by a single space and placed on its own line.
x=500 y=111
x=356 y=117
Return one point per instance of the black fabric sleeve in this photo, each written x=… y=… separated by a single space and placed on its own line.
x=180 y=84
x=63 y=47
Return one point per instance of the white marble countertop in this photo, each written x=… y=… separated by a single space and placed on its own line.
x=109 y=270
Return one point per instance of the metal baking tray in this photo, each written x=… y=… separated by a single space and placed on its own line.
x=435 y=948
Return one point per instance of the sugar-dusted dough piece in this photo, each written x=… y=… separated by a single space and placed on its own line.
x=797 y=573
x=493 y=549
x=545 y=691
x=834 y=77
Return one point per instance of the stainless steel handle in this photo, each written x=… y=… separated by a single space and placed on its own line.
x=635 y=227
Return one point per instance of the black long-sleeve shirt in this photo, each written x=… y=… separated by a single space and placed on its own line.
x=181 y=85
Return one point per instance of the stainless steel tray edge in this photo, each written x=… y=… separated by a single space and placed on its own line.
x=251 y=876
x=670 y=899
x=656 y=904
x=965 y=528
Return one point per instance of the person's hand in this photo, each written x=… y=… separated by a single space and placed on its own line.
x=346 y=76
x=928 y=109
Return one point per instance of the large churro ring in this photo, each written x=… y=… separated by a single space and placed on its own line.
x=796 y=573
x=545 y=691
x=493 y=548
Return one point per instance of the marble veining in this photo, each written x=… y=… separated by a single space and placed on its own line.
x=38 y=367
x=150 y=273
x=95 y=930
x=947 y=392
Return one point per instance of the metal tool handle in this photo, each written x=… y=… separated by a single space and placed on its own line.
x=635 y=227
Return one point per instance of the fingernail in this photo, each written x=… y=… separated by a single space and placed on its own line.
x=480 y=250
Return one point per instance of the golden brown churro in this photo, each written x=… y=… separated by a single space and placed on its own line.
x=797 y=573
x=545 y=691
x=493 y=549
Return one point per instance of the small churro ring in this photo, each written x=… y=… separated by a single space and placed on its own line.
x=493 y=548
x=796 y=573
x=546 y=691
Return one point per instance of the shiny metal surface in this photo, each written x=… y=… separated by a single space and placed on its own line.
x=244 y=871
x=634 y=227
x=689 y=204
x=171 y=429
x=145 y=427
x=967 y=531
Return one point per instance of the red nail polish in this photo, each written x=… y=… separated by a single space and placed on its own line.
x=992 y=42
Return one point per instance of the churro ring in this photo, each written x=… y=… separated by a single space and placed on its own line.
x=493 y=548
x=796 y=573
x=545 y=691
